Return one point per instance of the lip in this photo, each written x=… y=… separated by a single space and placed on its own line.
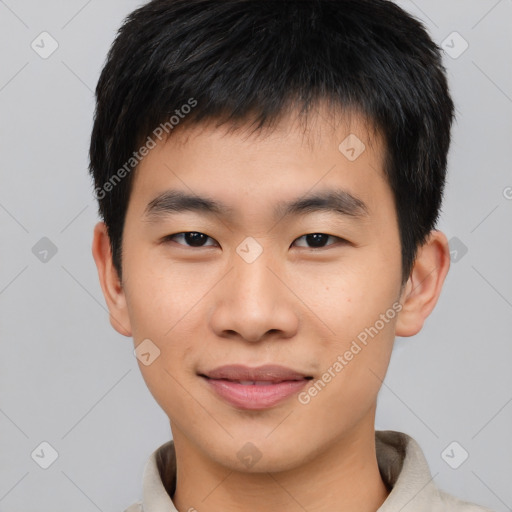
x=270 y=384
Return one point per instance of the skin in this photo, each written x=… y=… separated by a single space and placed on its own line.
x=295 y=305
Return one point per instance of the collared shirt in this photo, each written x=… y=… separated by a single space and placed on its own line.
x=402 y=466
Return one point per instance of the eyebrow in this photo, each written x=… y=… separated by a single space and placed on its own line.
x=337 y=201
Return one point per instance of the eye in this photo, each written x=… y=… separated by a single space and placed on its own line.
x=317 y=240
x=190 y=239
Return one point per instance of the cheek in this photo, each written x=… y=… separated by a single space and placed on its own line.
x=353 y=369
x=159 y=308
x=169 y=376
x=346 y=298
x=357 y=308
x=158 y=296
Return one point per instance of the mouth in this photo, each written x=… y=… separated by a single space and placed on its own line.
x=254 y=388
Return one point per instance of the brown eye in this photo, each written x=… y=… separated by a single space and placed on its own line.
x=316 y=240
x=190 y=239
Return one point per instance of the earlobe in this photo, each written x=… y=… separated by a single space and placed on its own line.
x=109 y=281
x=425 y=283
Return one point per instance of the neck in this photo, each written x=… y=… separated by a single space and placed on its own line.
x=343 y=478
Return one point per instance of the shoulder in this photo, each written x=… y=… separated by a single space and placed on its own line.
x=405 y=471
x=136 y=507
x=453 y=504
x=158 y=481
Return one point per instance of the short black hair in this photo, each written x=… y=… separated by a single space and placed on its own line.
x=177 y=62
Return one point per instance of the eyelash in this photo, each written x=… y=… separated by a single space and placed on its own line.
x=169 y=238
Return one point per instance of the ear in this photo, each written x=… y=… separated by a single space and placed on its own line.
x=423 y=288
x=109 y=280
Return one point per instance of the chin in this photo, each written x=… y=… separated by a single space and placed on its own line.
x=260 y=456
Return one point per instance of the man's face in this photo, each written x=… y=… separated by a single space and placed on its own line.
x=247 y=287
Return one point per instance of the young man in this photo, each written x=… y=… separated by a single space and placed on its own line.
x=270 y=174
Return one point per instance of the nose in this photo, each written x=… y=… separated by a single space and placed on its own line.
x=253 y=302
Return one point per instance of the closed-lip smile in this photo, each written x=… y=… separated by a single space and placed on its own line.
x=254 y=387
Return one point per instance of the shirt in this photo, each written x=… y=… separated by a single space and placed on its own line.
x=401 y=462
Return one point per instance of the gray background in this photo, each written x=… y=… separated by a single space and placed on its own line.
x=67 y=378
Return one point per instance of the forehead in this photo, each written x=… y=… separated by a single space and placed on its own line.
x=254 y=171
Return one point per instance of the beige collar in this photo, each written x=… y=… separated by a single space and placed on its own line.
x=401 y=463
